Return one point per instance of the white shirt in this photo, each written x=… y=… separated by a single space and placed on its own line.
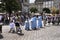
x=12 y=25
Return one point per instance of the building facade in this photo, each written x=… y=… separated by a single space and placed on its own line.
x=48 y=4
x=39 y=4
x=56 y=3
x=25 y=6
x=44 y=4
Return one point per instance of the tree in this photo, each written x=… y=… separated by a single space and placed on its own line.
x=2 y=9
x=33 y=9
x=46 y=10
x=11 y=5
x=57 y=11
x=53 y=9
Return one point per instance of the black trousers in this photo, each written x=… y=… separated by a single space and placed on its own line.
x=0 y=28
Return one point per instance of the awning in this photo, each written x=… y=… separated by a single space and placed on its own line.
x=36 y=14
x=2 y=13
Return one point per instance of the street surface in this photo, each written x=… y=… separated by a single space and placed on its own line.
x=47 y=33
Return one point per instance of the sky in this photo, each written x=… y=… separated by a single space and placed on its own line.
x=32 y=1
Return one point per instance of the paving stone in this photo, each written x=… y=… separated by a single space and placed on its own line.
x=47 y=33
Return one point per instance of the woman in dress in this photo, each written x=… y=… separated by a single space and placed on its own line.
x=33 y=23
x=39 y=21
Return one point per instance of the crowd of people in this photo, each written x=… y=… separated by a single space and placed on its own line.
x=28 y=22
x=14 y=22
x=33 y=23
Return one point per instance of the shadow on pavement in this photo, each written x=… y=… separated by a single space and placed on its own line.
x=21 y=34
x=1 y=36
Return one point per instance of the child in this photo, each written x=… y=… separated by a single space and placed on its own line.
x=12 y=25
x=18 y=29
x=27 y=24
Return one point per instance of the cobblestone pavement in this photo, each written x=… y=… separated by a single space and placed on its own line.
x=47 y=33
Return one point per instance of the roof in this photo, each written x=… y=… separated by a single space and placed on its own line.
x=36 y=14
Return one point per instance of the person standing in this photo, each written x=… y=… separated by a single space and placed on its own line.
x=18 y=29
x=12 y=26
x=33 y=23
x=27 y=24
x=39 y=21
x=1 y=24
x=49 y=19
x=44 y=19
x=53 y=21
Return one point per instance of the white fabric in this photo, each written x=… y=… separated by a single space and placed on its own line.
x=8 y=17
x=42 y=23
x=25 y=23
x=30 y=20
x=1 y=23
x=13 y=20
x=37 y=23
x=0 y=17
x=30 y=23
x=12 y=25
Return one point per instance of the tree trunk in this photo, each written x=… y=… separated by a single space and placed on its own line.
x=9 y=16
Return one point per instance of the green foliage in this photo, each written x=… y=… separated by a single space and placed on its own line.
x=2 y=7
x=33 y=9
x=11 y=5
x=46 y=10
